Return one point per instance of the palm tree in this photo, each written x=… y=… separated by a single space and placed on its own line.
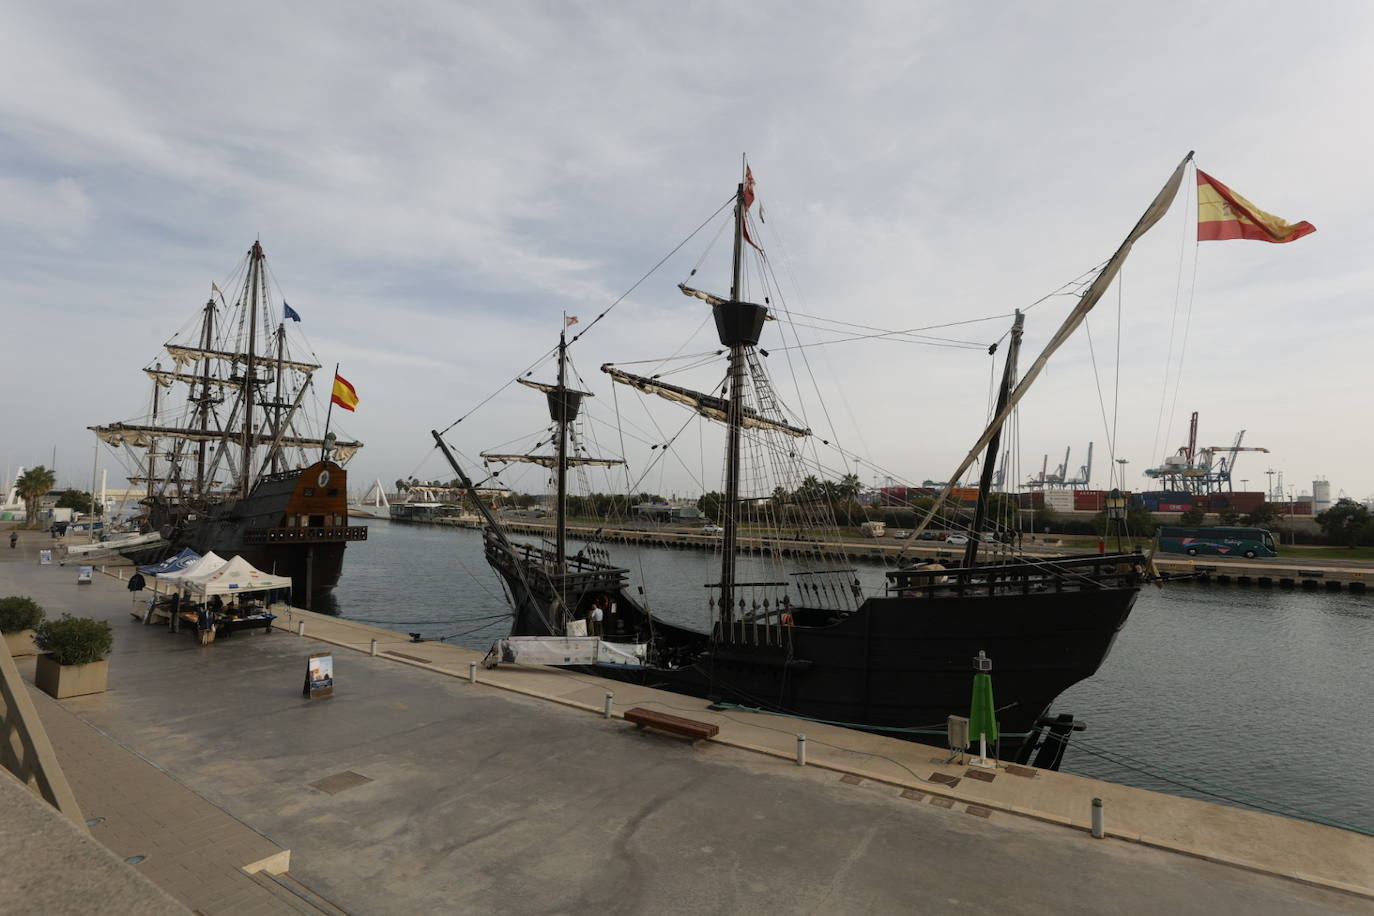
x=33 y=485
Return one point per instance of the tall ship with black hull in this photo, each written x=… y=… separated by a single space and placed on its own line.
x=791 y=630
x=228 y=454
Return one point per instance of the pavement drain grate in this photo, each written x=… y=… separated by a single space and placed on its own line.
x=1015 y=770
x=978 y=811
x=940 y=801
x=941 y=778
x=413 y=658
x=913 y=794
x=980 y=775
x=340 y=782
x=851 y=779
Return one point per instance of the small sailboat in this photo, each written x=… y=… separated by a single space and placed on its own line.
x=808 y=642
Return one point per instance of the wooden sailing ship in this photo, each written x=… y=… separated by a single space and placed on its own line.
x=227 y=452
x=810 y=643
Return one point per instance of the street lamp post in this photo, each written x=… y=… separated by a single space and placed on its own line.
x=1116 y=512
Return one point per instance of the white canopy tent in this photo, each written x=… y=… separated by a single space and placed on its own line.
x=235 y=577
x=202 y=567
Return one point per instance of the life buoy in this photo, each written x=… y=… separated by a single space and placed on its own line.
x=786 y=620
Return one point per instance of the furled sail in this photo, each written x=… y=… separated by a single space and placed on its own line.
x=167 y=379
x=1153 y=214
x=186 y=355
x=142 y=436
x=551 y=461
x=710 y=406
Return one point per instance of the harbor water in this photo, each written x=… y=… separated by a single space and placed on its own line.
x=1232 y=694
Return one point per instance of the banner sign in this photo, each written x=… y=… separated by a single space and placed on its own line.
x=45 y=558
x=319 y=676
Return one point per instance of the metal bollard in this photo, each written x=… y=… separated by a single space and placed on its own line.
x=610 y=700
x=472 y=672
x=373 y=649
x=1097 y=818
x=801 y=750
x=300 y=628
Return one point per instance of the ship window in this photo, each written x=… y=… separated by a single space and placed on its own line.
x=291 y=521
x=338 y=520
x=333 y=491
x=317 y=521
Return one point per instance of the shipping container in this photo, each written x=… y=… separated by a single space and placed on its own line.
x=1173 y=507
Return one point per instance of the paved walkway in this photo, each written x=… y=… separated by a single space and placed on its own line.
x=412 y=790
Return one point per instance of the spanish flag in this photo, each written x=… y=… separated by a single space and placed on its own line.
x=1223 y=214
x=344 y=395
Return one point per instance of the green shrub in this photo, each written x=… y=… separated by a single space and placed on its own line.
x=74 y=640
x=17 y=613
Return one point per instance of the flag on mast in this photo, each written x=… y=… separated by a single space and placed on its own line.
x=569 y=320
x=1223 y=214
x=749 y=202
x=344 y=394
x=289 y=312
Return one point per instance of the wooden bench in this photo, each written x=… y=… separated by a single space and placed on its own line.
x=676 y=725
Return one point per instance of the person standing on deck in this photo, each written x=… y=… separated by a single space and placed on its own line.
x=14 y=539
x=595 y=617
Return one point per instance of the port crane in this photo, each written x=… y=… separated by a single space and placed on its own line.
x=1201 y=470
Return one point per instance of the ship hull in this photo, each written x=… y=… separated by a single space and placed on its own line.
x=899 y=664
x=292 y=524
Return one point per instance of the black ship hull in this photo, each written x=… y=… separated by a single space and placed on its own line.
x=289 y=526
x=899 y=664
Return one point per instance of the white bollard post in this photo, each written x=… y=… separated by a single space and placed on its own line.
x=1098 y=832
x=610 y=700
x=472 y=672
x=801 y=750
x=373 y=649
x=300 y=628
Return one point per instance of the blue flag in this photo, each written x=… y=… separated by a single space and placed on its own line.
x=289 y=312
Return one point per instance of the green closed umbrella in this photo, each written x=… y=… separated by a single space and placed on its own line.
x=982 y=715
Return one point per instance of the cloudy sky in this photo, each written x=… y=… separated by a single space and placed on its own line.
x=436 y=183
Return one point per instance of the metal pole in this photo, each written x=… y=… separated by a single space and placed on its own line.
x=610 y=700
x=300 y=628
x=801 y=750
x=372 y=650
x=472 y=672
x=1097 y=818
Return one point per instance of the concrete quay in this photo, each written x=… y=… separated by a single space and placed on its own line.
x=413 y=790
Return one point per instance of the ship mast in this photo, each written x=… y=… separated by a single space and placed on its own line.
x=277 y=403
x=732 y=325
x=558 y=401
x=152 y=443
x=204 y=401
x=990 y=457
x=249 y=386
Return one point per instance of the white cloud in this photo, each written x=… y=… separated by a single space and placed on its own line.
x=437 y=183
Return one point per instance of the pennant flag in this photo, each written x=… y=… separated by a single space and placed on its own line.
x=289 y=312
x=215 y=286
x=749 y=202
x=569 y=320
x=344 y=395
x=1223 y=214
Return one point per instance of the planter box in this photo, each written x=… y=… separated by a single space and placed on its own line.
x=20 y=643
x=62 y=681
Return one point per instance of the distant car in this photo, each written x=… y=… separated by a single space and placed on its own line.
x=956 y=539
x=929 y=536
x=712 y=529
x=901 y=535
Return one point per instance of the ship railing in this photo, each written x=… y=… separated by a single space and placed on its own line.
x=1031 y=574
x=320 y=535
